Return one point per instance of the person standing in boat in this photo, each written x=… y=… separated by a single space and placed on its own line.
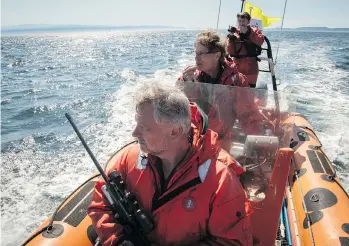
x=211 y=65
x=174 y=150
x=243 y=45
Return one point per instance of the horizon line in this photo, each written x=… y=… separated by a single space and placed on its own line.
x=37 y=26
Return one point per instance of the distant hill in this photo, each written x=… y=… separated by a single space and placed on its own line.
x=314 y=29
x=58 y=28
x=68 y=28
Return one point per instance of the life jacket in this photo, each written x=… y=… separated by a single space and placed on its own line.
x=251 y=49
x=203 y=193
x=227 y=75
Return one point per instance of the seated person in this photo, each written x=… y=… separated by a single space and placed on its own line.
x=224 y=105
x=243 y=46
x=176 y=150
x=211 y=65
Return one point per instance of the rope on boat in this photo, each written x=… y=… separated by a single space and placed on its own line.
x=279 y=39
x=332 y=177
x=304 y=206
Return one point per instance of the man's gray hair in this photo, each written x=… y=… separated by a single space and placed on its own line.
x=170 y=104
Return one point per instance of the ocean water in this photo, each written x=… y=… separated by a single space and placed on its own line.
x=91 y=75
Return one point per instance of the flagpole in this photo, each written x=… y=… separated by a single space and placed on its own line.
x=219 y=12
x=279 y=39
x=242 y=5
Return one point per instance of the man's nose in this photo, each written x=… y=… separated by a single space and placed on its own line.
x=135 y=132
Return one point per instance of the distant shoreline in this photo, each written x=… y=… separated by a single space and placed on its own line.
x=45 y=29
x=310 y=29
x=57 y=29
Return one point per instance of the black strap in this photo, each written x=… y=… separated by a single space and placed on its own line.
x=244 y=56
x=205 y=78
x=157 y=203
x=247 y=46
x=238 y=52
x=219 y=75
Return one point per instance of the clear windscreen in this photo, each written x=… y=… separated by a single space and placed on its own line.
x=250 y=126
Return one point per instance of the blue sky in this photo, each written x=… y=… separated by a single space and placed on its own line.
x=181 y=13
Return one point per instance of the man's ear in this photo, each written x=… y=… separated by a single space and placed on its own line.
x=176 y=131
x=218 y=55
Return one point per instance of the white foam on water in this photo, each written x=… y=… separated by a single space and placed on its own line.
x=315 y=81
x=37 y=181
x=42 y=180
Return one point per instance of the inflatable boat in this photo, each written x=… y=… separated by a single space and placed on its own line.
x=295 y=195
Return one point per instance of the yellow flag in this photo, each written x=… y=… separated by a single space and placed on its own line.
x=257 y=13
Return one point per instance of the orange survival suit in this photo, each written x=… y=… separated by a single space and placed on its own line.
x=211 y=212
x=229 y=104
x=228 y=75
x=244 y=49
